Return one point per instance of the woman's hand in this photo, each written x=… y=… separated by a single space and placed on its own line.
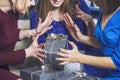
x=86 y=18
x=72 y=27
x=35 y=50
x=68 y=56
x=45 y=26
x=41 y=28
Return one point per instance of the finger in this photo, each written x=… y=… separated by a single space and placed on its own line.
x=76 y=28
x=77 y=7
x=62 y=55
x=39 y=26
x=72 y=44
x=41 y=45
x=86 y=23
x=63 y=63
x=40 y=20
x=82 y=17
x=63 y=50
x=49 y=13
x=36 y=38
x=79 y=16
x=46 y=29
x=66 y=21
x=61 y=59
x=40 y=55
x=78 y=11
x=69 y=18
x=51 y=18
x=41 y=60
x=33 y=38
x=50 y=27
x=42 y=51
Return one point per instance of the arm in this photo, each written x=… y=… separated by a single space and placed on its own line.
x=14 y=57
x=7 y=75
x=74 y=55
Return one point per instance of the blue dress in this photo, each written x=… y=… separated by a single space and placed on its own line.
x=109 y=39
x=59 y=28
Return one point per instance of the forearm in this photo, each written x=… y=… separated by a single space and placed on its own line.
x=89 y=40
x=91 y=23
x=12 y=57
x=102 y=62
x=91 y=26
x=26 y=33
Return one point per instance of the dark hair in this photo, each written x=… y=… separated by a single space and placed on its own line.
x=107 y=6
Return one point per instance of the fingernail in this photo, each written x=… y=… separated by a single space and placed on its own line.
x=44 y=51
x=45 y=56
x=59 y=49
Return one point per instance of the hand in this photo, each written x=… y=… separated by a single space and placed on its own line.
x=20 y=79
x=72 y=27
x=68 y=56
x=86 y=18
x=35 y=50
x=45 y=26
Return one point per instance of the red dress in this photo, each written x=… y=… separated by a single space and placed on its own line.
x=9 y=35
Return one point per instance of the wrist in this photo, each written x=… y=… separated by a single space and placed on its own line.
x=81 y=38
x=80 y=57
x=36 y=31
x=27 y=51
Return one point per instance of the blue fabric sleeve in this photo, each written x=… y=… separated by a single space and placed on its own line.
x=83 y=6
x=33 y=19
x=34 y=23
x=116 y=56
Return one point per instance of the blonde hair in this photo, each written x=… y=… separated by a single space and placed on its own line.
x=21 y=5
x=43 y=9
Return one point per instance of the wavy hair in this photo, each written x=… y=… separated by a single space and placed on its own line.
x=43 y=9
x=107 y=6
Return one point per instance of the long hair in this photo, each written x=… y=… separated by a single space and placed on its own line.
x=22 y=5
x=43 y=9
x=107 y=6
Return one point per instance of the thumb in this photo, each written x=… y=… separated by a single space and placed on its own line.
x=76 y=28
x=50 y=27
x=36 y=38
x=39 y=20
x=77 y=7
x=78 y=10
x=72 y=44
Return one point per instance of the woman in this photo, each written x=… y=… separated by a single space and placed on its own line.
x=107 y=35
x=60 y=7
x=9 y=11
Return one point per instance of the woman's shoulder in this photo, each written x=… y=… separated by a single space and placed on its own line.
x=115 y=19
